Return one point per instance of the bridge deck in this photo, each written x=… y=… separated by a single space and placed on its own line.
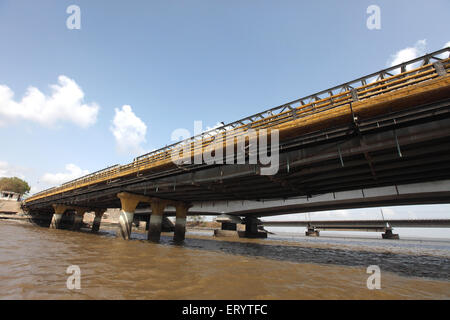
x=412 y=223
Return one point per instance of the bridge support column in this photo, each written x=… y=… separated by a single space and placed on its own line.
x=57 y=216
x=154 y=229
x=180 y=222
x=78 y=218
x=97 y=220
x=389 y=235
x=129 y=203
x=229 y=226
x=311 y=232
x=251 y=229
x=227 y=229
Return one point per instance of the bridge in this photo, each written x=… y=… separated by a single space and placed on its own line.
x=386 y=226
x=382 y=139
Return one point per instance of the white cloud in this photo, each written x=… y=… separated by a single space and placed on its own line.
x=64 y=104
x=409 y=53
x=73 y=172
x=128 y=130
x=445 y=55
x=7 y=170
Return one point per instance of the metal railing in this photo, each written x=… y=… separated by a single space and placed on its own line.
x=409 y=73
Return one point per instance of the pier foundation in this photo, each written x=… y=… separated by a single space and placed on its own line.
x=389 y=235
x=311 y=232
x=251 y=229
x=227 y=229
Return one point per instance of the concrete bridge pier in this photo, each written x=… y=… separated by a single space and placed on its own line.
x=154 y=228
x=389 y=235
x=129 y=203
x=227 y=229
x=57 y=216
x=251 y=229
x=97 y=220
x=78 y=218
x=230 y=226
x=180 y=222
x=312 y=232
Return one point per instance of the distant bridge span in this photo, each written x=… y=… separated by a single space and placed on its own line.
x=386 y=226
x=385 y=130
x=362 y=224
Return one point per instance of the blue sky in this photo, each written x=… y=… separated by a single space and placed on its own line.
x=174 y=62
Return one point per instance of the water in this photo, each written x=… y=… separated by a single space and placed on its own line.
x=33 y=263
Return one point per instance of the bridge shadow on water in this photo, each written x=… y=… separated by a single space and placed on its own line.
x=424 y=266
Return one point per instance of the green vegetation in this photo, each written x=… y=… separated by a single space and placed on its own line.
x=15 y=185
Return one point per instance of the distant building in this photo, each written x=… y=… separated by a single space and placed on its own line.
x=9 y=195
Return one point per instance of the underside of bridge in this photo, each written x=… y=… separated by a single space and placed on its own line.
x=401 y=148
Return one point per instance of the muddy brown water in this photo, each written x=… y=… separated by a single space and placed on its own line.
x=34 y=260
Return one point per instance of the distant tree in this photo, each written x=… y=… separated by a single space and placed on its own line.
x=15 y=185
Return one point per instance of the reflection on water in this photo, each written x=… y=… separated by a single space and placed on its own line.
x=33 y=263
